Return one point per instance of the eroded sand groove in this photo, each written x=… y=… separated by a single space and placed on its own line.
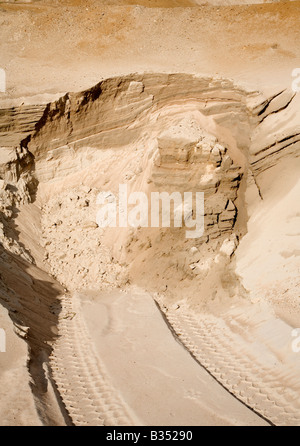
x=218 y=136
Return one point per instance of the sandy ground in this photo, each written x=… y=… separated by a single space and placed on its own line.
x=160 y=381
x=273 y=228
x=48 y=49
x=17 y=406
x=40 y=48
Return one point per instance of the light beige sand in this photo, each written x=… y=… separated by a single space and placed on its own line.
x=17 y=407
x=232 y=298
x=155 y=375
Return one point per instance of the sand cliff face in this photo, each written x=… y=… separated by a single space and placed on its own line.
x=99 y=116
x=158 y=132
x=154 y=132
x=120 y=124
x=219 y=140
x=277 y=133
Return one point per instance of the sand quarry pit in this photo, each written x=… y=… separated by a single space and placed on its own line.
x=134 y=325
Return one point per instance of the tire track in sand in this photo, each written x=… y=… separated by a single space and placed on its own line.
x=84 y=385
x=272 y=393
